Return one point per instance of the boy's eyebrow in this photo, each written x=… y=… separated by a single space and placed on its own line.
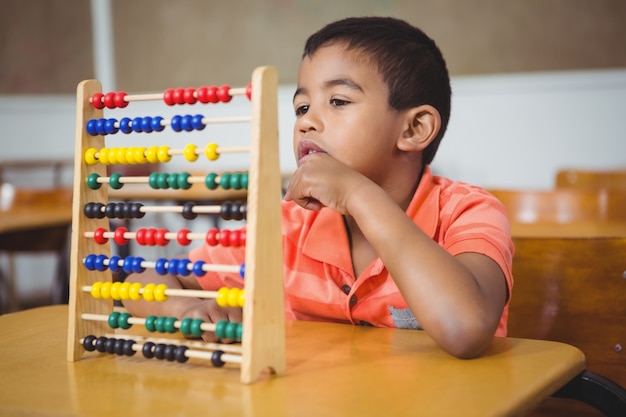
x=339 y=81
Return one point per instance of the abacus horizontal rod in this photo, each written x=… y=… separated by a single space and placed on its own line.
x=207 y=327
x=159 y=96
x=174 y=292
x=195 y=344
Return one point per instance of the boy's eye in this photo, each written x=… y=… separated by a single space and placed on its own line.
x=301 y=110
x=338 y=102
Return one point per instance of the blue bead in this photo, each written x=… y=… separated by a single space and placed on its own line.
x=109 y=126
x=156 y=124
x=197 y=269
x=99 y=263
x=146 y=124
x=136 y=124
x=186 y=123
x=242 y=271
x=127 y=266
x=182 y=267
x=89 y=260
x=172 y=266
x=125 y=125
x=136 y=264
x=114 y=263
x=196 y=122
x=176 y=121
x=91 y=127
x=159 y=266
x=100 y=126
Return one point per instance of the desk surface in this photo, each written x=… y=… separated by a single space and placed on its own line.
x=331 y=370
x=38 y=210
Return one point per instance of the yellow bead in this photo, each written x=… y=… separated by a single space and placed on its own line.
x=105 y=290
x=159 y=293
x=140 y=155
x=148 y=292
x=123 y=291
x=211 y=152
x=130 y=155
x=114 y=291
x=190 y=153
x=103 y=156
x=233 y=297
x=164 y=154
x=241 y=299
x=134 y=291
x=151 y=154
x=95 y=289
x=121 y=156
x=90 y=156
x=222 y=297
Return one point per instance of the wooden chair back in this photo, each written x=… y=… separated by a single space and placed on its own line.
x=580 y=178
x=573 y=291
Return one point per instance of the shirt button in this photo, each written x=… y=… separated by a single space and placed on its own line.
x=353 y=300
x=346 y=289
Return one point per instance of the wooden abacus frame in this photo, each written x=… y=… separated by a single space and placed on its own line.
x=263 y=333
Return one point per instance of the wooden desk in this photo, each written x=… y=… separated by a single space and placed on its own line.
x=331 y=370
x=579 y=229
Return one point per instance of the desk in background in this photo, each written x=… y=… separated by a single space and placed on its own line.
x=332 y=369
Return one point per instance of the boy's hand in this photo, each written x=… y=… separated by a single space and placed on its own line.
x=210 y=312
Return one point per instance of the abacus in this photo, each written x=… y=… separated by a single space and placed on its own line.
x=93 y=291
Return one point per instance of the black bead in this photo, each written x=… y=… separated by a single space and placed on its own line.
x=101 y=344
x=109 y=345
x=159 y=350
x=225 y=211
x=128 y=347
x=170 y=352
x=179 y=354
x=88 y=343
x=148 y=350
x=188 y=213
x=216 y=358
x=109 y=211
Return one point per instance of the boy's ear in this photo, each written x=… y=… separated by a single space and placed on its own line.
x=422 y=126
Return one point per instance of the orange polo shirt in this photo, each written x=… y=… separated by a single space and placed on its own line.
x=319 y=280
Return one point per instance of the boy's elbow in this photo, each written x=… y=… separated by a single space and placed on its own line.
x=467 y=342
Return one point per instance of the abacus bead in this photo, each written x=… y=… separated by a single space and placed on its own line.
x=130 y=155
x=233 y=297
x=160 y=266
x=119 y=209
x=182 y=268
x=249 y=91
x=109 y=100
x=169 y=325
x=223 y=93
x=119 y=99
x=201 y=94
x=146 y=124
x=159 y=293
x=239 y=335
x=185 y=326
x=113 y=320
x=244 y=181
x=211 y=152
x=148 y=292
x=122 y=321
x=179 y=354
x=152 y=180
x=92 y=181
x=135 y=210
x=172 y=266
x=136 y=124
x=151 y=154
x=128 y=347
x=119 y=346
x=114 y=263
x=188 y=213
x=222 y=297
x=159 y=350
x=91 y=127
x=100 y=344
x=197 y=122
x=231 y=330
x=175 y=123
x=99 y=264
x=241 y=299
x=134 y=291
x=118 y=236
x=163 y=154
x=88 y=343
x=95 y=289
x=124 y=289
x=225 y=181
x=242 y=271
x=211 y=237
x=114 y=181
x=225 y=211
x=216 y=358
x=224 y=237
x=96 y=100
x=126 y=125
x=98 y=236
x=168 y=97
x=172 y=180
x=149 y=323
x=238 y=211
x=183 y=180
x=198 y=268
x=127 y=264
x=160 y=238
x=235 y=181
x=212 y=94
x=105 y=290
x=90 y=156
x=242 y=237
x=188 y=95
x=140 y=236
x=169 y=352
x=115 y=290
x=159 y=324
x=209 y=181
x=109 y=126
x=150 y=236
x=161 y=181
x=109 y=210
x=100 y=126
x=137 y=268
x=157 y=124
x=148 y=350
x=186 y=124
x=189 y=152
x=120 y=156
x=178 y=96
x=220 y=329
x=89 y=262
x=195 y=327
x=181 y=237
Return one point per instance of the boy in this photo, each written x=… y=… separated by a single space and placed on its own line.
x=370 y=236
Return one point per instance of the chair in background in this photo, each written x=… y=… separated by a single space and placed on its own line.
x=581 y=178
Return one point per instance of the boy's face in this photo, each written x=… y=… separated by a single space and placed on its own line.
x=341 y=106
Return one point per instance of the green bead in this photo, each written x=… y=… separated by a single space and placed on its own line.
x=172 y=181
x=195 y=327
x=159 y=324
x=114 y=181
x=183 y=181
x=220 y=329
x=92 y=181
x=209 y=181
x=150 y=323
x=162 y=181
x=231 y=330
x=114 y=320
x=240 y=331
x=225 y=180
x=122 y=321
x=169 y=324
x=235 y=181
x=153 y=180
x=185 y=326
x=244 y=180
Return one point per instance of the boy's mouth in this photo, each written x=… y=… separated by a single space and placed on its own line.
x=306 y=148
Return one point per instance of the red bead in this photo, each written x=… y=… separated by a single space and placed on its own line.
x=201 y=94
x=179 y=96
x=109 y=100
x=118 y=236
x=98 y=236
x=212 y=95
x=223 y=93
x=249 y=91
x=242 y=237
x=168 y=97
x=189 y=97
x=119 y=99
x=150 y=232
x=96 y=101
x=211 y=237
x=140 y=236
x=224 y=237
x=160 y=238
x=181 y=237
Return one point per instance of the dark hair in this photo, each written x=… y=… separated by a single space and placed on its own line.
x=410 y=63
